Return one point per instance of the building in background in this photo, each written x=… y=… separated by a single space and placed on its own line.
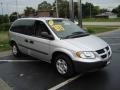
x=46 y=13
x=106 y=15
x=42 y=13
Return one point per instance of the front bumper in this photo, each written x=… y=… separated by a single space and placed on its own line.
x=85 y=66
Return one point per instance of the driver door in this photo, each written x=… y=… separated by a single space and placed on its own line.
x=40 y=46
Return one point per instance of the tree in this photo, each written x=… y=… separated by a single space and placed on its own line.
x=103 y=10
x=117 y=10
x=4 y=19
x=13 y=16
x=63 y=8
x=95 y=11
x=44 y=6
x=29 y=10
x=89 y=10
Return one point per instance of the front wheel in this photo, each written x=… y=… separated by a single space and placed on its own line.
x=63 y=65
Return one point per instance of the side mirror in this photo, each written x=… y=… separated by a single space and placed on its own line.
x=46 y=35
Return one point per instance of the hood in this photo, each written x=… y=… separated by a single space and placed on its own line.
x=87 y=43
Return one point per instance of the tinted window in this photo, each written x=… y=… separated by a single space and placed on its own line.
x=24 y=27
x=41 y=27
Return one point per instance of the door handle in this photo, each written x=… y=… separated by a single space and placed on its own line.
x=26 y=40
x=31 y=42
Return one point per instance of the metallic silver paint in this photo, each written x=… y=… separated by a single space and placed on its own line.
x=67 y=46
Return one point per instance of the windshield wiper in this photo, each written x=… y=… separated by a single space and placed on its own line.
x=69 y=36
x=77 y=34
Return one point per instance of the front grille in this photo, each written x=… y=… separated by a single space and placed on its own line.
x=107 y=48
x=104 y=56
x=104 y=53
x=109 y=53
x=100 y=51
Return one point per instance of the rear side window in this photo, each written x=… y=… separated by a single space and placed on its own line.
x=24 y=27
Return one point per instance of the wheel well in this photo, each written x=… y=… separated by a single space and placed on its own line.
x=12 y=42
x=58 y=53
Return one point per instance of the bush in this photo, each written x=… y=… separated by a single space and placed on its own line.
x=4 y=27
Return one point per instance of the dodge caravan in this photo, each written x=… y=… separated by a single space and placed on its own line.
x=60 y=42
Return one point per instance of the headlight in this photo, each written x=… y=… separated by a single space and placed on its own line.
x=85 y=55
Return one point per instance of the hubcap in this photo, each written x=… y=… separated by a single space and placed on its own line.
x=14 y=50
x=61 y=66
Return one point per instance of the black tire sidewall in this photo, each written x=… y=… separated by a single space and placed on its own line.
x=18 y=52
x=70 y=70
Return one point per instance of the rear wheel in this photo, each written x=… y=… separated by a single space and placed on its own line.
x=63 y=65
x=15 y=50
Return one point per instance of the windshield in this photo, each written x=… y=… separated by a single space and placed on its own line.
x=66 y=29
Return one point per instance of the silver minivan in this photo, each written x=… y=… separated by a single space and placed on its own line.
x=60 y=42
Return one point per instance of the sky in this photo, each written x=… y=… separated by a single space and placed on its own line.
x=9 y=6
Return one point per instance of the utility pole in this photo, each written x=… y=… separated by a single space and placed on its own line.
x=90 y=11
x=57 y=12
x=71 y=9
x=8 y=12
x=1 y=7
x=17 y=8
x=80 y=13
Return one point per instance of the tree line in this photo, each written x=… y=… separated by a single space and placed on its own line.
x=88 y=10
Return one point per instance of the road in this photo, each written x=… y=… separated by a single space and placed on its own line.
x=39 y=75
x=102 y=23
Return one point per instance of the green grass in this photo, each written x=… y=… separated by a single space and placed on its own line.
x=101 y=20
x=4 y=41
x=99 y=29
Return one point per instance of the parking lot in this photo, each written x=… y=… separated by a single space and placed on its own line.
x=21 y=74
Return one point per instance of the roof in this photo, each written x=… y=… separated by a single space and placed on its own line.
x=39 y=18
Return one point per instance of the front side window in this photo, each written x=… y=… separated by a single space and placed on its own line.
x=41 y=27
x=65 y=28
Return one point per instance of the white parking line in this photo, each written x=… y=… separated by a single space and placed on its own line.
x=65 y=82
x=19 y=60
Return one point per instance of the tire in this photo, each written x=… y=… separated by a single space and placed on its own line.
x=15 y=50
x=63 y=65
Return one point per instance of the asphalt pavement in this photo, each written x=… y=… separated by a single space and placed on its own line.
x=38 y=75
